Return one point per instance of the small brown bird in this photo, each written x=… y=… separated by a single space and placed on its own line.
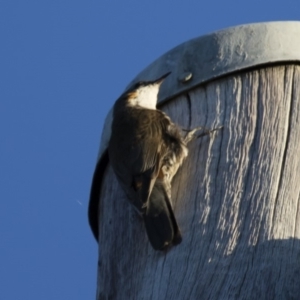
x=145 y=150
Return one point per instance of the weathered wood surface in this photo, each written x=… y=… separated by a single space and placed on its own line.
x=236 y=199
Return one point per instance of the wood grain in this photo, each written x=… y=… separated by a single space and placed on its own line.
x=236 y=199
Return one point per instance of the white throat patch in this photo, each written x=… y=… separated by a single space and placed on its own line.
x=145 y=96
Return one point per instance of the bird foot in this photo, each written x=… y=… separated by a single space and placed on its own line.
x=191 y=133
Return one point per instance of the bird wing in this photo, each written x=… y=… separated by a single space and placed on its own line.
x=136 y=154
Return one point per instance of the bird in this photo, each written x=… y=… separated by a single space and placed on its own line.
x=145 y=150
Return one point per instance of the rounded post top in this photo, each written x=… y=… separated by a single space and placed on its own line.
x=223 y=52
x=217 y=54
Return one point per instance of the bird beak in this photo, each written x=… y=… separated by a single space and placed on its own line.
x=162 y=78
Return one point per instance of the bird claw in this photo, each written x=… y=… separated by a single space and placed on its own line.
x=191 y=133
x=209 y=131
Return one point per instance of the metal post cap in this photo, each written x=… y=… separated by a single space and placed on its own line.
x=217 y=54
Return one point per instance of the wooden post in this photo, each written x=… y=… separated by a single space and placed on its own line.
x=236 y=197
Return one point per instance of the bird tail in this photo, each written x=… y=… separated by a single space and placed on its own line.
x=161 y=226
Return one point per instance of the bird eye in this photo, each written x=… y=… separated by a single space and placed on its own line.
x=138 y=84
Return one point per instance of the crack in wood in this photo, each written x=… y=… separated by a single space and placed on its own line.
x=189 y=110
x=287 y=137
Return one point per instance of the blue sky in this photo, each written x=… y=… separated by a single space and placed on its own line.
x=62 y=65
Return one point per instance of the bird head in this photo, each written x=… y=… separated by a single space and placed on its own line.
x=144 y=93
